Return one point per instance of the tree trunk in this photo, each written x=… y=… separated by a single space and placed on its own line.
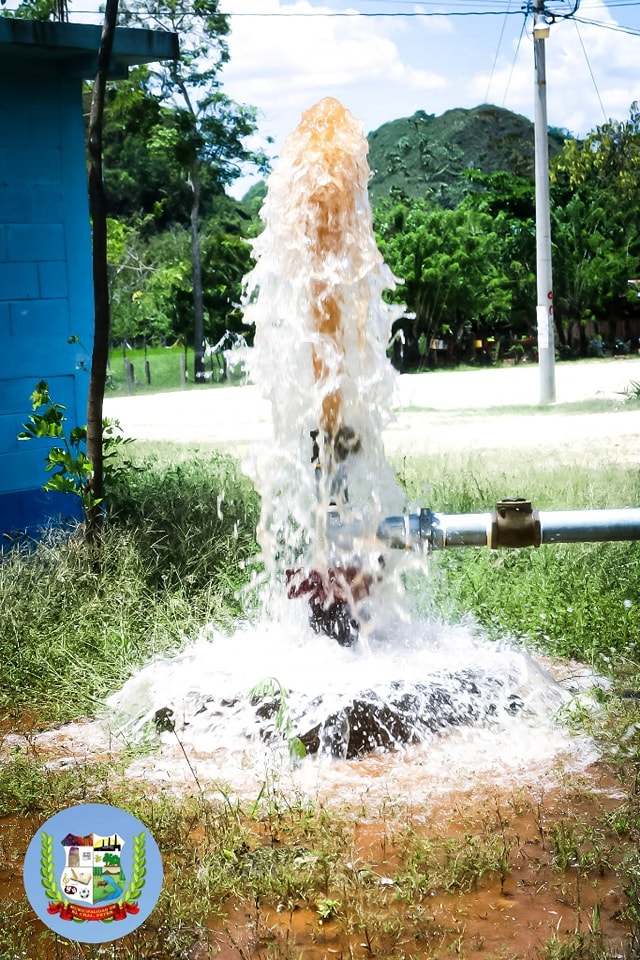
x=198 y=306
x=97 y=209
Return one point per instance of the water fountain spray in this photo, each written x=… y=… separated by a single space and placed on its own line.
x=335 y=535
x=322 y=328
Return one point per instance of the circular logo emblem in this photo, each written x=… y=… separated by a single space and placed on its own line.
x=93 y=873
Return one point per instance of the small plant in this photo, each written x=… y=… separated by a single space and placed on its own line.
x=632 y=391
x=274 y=696
x=67 y=462
x=327 y=909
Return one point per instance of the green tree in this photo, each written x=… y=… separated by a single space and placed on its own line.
x=595 y=213
x=451 y=264
x=142 y=181
x=152 y=279
x=207 y=132
x=38 y=10
x=510 y=201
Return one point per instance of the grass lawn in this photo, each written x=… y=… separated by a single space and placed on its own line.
x=158 y=370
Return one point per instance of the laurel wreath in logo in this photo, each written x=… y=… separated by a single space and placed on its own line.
x=47 y=871
x=138 y=870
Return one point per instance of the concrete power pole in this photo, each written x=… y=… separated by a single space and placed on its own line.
x=544 y=309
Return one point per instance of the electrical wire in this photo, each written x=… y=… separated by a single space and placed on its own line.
x=495 y=59
x=515 y=58
x=593 y=79
x=616 y=27
x=379 y=15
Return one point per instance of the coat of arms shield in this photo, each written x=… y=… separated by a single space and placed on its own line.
x=93 y=873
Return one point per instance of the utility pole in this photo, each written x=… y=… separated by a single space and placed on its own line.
x=544 y=308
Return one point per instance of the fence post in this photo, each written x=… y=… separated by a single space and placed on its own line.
x=129 y=374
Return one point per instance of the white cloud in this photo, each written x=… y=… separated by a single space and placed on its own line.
x=284 y=64
x=591 y=71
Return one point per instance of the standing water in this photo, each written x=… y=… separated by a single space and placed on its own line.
x=336 y=661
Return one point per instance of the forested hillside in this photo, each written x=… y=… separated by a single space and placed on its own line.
x=426 y=157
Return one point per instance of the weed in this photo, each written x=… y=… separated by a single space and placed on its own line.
x=632 y=391
x=28 y=786
x=272 y=699
x=67 y=460
x=327 y=909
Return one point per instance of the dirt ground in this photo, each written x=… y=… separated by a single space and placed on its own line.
x=436 y=412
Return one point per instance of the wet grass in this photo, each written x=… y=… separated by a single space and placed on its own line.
x=177 y=540
x=282 y=876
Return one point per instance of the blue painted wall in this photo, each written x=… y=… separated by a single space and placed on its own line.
x=46 y=292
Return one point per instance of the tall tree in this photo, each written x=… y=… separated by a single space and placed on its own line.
x=152 y=281
x=207 y=138
x=596 y=208
x=97 y=209
x=510 y=201
x=451 y=263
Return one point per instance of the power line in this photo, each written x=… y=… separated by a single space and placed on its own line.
x=378 y=15
x=497 y=53
x=616 y=27
x=515 y=58
x=593 y=79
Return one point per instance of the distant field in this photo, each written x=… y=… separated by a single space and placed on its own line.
x=157 y=370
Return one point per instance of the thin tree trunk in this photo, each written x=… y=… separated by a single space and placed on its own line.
x=198 y=307
x=97 y=209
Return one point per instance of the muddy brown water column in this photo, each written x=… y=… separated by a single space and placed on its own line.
x=316 y=299
x=327 y=136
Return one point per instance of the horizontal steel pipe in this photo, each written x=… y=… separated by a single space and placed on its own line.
x=590 y=526
x=443 y=531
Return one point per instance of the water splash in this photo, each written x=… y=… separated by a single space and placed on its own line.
x=491 y=712
x=322 y=328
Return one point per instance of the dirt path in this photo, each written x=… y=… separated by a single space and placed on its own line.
x=443 y=411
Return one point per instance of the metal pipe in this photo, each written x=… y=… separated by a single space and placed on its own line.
x=514 y=524
x=590 y=526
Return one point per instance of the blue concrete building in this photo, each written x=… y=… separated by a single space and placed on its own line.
x=46 y=291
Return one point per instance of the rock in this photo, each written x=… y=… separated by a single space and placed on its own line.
x=402 y=714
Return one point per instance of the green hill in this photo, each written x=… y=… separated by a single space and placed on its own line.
x=426 y=156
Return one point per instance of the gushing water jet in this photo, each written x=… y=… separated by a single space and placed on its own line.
x=333 y=530
x=322 y=328
x=316 y=290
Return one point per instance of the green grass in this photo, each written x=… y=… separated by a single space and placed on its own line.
x=164 y=371
x=176 y=542
x=570 y=600
x=180 y=535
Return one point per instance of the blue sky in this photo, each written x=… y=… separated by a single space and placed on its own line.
x=383 y=67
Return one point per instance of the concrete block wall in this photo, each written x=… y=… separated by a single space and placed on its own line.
x=46 y=295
